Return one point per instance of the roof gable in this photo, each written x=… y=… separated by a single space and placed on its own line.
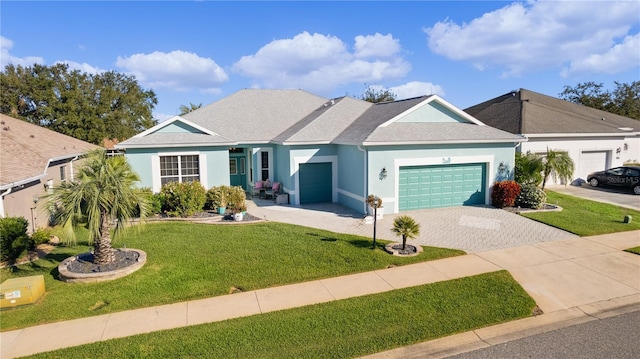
x=433 y=109
x=176 y=124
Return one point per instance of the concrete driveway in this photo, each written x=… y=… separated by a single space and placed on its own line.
x=617 y=196
x=470 y=228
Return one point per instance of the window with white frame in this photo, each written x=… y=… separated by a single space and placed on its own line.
x=184 y=168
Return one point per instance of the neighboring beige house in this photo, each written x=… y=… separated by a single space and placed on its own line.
x=33 y=160
x=596 y=140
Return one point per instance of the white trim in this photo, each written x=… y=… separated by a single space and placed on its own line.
x=295 y=171
x=553 y=135
x=156 y=180
x=428 y=100
x=351 y=195
x=488 y=160
x=172 y=120
x=443 y=142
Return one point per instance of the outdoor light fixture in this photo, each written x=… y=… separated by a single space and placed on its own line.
x=383 y=173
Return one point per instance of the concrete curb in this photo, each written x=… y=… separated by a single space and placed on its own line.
x=505 y=332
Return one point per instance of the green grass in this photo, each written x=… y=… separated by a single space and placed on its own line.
x=584 y=217
x=634 y=250
x=189 y=261
x=340 y=329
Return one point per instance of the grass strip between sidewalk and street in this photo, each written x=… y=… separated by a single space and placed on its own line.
x=585 y=217
x=339 y=329
x=187 y=261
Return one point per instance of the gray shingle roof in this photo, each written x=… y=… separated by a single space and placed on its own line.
x=27 y=149
x=254 y=116
x=527 y=112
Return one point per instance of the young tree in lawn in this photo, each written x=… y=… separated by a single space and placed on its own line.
x=557 y=164
x=406 y=227
x=102 y=192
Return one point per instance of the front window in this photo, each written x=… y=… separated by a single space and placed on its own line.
x=179 y=169
x=265 y=165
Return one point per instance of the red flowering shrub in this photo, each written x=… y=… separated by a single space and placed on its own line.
x=504 y=193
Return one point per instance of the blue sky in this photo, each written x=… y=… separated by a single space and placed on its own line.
x=201 y=51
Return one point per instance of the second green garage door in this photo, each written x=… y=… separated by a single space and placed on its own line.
x=315 y=182
x=441 y=186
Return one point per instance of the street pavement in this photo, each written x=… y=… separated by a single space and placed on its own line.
x=572 y=279
x=616 y=196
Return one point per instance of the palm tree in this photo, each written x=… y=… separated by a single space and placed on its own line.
x=557 y=164
x=184 y=109
x=406 y=227
x=102 y=192
x=528 y=168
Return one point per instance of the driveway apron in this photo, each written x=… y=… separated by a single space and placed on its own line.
x=469 y=228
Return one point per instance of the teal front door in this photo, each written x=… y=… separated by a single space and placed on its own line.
x=238 y=170
x=441 y=186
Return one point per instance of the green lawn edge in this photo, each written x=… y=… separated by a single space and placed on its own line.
x=584 y=217
x=339 y=329
x=189 y=261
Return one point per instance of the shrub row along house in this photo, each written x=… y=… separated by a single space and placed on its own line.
x=33 y=161
x=416 y=153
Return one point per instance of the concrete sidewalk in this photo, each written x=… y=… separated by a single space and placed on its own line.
x=566 y=277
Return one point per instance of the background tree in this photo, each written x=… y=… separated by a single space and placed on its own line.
x=557 y=164
x=90 y=107
x=377 y=94
x=406 y=227
x=103 y=192
x=624 y=100
x=184 y=109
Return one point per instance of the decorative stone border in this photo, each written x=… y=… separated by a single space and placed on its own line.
x=389 y=249
x=72 y=277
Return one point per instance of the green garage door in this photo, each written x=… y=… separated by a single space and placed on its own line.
x=315 y=182
x=441 y=186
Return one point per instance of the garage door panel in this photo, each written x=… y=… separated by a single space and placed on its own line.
x=315 y=182
x=441 y=186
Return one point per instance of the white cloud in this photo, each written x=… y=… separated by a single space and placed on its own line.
x=415 y=89
x=320 y=63
x=621 y=57
x=376 y=46
x=6 y=58
x=537 y=35
x=83 y=67
x=176 y=70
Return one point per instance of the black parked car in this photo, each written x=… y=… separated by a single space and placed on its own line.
x=625 y=177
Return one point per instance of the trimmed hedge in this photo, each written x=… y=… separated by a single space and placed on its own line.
x=183 y=199
x=531 y=197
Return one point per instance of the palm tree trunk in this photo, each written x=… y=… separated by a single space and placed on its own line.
x=404 y=242
x=102 y=250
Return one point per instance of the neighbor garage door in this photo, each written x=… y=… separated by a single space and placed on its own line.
x=315 y=182
x=592 y=161
x=441 y=186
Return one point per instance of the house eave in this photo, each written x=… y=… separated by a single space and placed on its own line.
x=175 y=145
x=21 y=182
x=581 y=135
x=442 y=142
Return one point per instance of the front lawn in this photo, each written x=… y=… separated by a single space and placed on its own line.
x=584 y=217
x=189 y=261
x=341 y=329
x=634 y=250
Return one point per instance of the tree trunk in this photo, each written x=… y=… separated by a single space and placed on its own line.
x=102 y=250
x=404 y=242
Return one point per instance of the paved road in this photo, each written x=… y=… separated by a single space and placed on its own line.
x=614 y=337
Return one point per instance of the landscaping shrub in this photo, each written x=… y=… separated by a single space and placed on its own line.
x=236 y=199
x=530 y=197
x=504 y=193
x=13 y=237
x=183 y=199
x=154 y=201
x=40 y=236
x=528 y=168
x=217 y=197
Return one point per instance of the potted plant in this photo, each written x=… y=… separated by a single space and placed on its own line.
x=238 y=211
x=375 y=206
